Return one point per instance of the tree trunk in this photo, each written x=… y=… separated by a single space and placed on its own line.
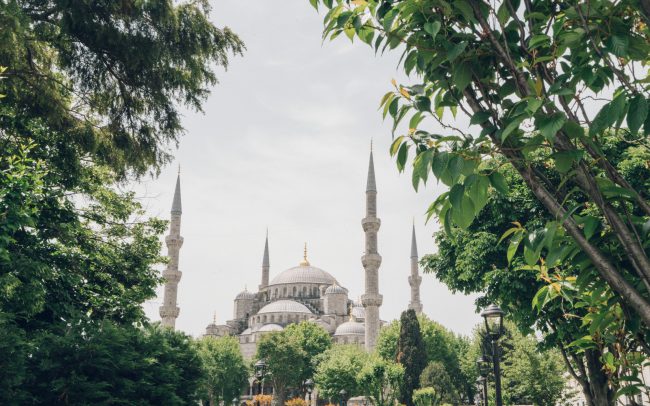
x=601 y=394
x=211 y=397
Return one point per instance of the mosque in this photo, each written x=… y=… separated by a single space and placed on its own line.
x=302 y=293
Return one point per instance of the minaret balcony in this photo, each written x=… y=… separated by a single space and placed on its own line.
x=370 y=224
x=371 y=260
x=415 y=280
x=169 y=311
x=172 y=276
x=372 y=299
x=173 y=241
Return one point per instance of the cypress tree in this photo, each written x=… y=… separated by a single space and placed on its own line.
x=411 y=354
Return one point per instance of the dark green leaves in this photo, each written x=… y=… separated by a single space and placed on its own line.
x=637 y=113
x=432 y=28
x=608 y=115
x=549 y=125
x=499 y=182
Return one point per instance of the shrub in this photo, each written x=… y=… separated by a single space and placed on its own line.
x=425 y=397
x=295 y=402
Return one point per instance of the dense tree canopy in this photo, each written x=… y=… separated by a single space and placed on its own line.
x=90 y=96
x=337 y=369
x=225 y=372
x=411 y=354
x=313 y=340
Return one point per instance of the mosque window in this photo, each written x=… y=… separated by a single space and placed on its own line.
x=272 y=319
x=304 y=290
x=275 y=295
x=284 y=291
x=264 y=319
x=294 y=291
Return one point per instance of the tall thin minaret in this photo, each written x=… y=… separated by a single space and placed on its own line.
x=266 y=265
x=415 y=279
x=371 y=260
x=169 y=310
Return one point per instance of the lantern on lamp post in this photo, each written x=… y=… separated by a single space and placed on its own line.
x=260 y=372
x=493 y=316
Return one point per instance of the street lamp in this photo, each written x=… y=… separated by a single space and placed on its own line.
x=343 y=394
x=309 y=386
x=483 y=366
x=260 y=371
x=481 y=384
x=493 y=316
x=234 y=402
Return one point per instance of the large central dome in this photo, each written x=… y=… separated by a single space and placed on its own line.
x=304 y=274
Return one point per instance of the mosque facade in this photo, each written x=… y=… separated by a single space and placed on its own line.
x=301 y=293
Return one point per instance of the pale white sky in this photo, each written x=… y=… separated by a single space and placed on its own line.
x=284 y=144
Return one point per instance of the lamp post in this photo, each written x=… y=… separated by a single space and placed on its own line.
x=309 y=387
x=260 y=371
x=234 y=401
x=493 y=316
x=481 y=384
x=483 y=365
x=343 y=394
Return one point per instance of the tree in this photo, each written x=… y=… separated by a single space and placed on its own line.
x=111 y=80
x=380 y=380
x=337 y=369
x=284 y=359
x=425 y=397
x=314 y=340
x=472 y=261
x=411 y=354
x=436 y=378
x=225 y=372
x=530 y=375
x=107 y=363
x=441 y=345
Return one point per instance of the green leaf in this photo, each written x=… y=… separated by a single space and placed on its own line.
x=314 y=3
x=512 y=126
x=456 y=195
x=564 y=160
x=421 y=167
x=454 y=51
x=462 y=75
x=573 y=129
x=503 y=14
x=480 y=117
x=637 y=113
x=550 y=125
x=402 y=155
x=394 y=147
x=499 y=182
x=432 y=28
x=538 y=40
x=608 y=115
x=423 y=103
x=514 y=244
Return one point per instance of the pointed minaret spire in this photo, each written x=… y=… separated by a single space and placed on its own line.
x=177 y=207
x=371 y=300
x=370 y=184
x=415 y=279
x=266 y=265
x=305 y=261
x=169 y=310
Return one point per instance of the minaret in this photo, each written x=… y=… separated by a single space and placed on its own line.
x=169 y=310
x=266 y=265
x=415 y=279
x=371 y=260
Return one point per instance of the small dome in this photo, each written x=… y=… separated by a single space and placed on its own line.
x=303 y=274
x=284 y=306
x=246 y=332
x=245 y=295
x=270 y=327
x=350 y=328
x=358 y=312
x=336 y=290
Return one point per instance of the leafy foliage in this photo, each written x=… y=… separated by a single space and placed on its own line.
x=380 y=380
x=337 y=370
x=224 y=369
x=411 y=354
x=313 y=340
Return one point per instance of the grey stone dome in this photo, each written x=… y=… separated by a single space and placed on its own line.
x=270 y=327
x=245 y=295
x=358 y=312
x=247 y=331
x=350 y=328
x=284 y=306
x=336 y=290
x=303 y=274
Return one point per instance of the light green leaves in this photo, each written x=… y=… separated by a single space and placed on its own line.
x=432 y=28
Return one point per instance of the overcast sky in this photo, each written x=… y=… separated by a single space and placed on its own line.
x=284 y=144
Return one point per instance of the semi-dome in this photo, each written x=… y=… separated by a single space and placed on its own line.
x=304 y=274
x=245 y=295
x=270 y=327
x=247 y=331
x=336 y=290
x=284 y=306
x=350 y=328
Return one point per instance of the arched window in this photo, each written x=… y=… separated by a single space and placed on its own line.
x=284 y=291
x=275 y=295
x=264 y=319
x=272 y=319
x=304 y=290
x=294 y=291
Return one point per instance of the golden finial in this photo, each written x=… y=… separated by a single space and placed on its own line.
x=304 y=261
x=214 y=317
